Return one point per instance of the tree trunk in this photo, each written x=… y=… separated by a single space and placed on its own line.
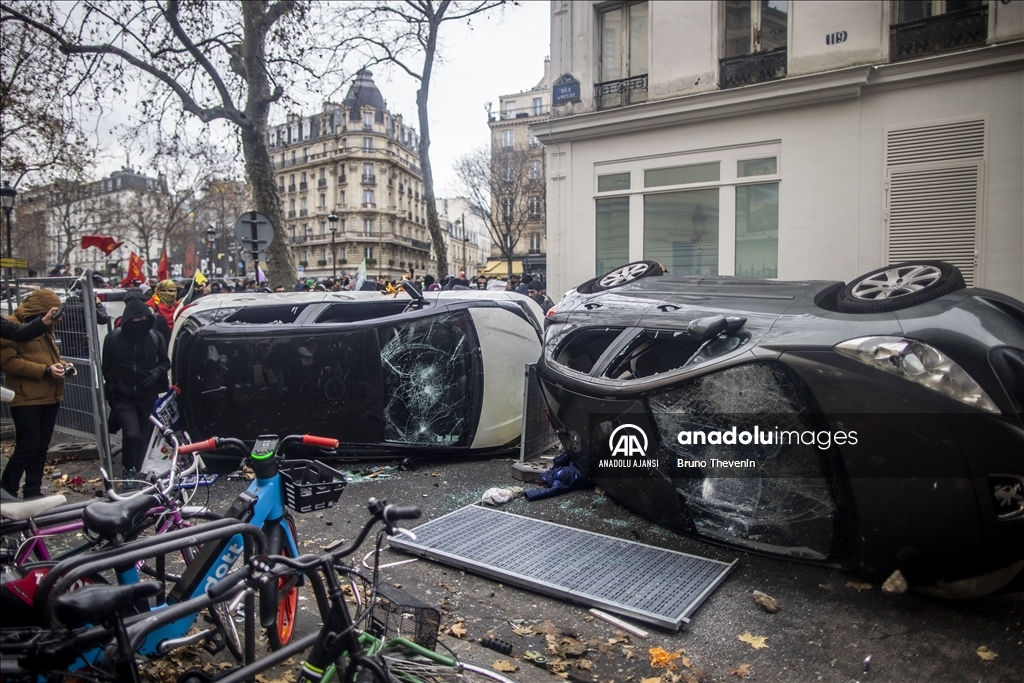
x=259 y=167
x=433 y=222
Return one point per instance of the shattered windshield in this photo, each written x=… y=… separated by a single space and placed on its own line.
x=785 y=504
x=428 y=379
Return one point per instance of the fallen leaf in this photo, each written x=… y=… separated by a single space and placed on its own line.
x=756 y=642
x=741 y=671
x=457 y=629
x=859 y=586
x=584 y=664
x=766 y=602
x=655 y=679
x=522 y=630
x=504 y=666
x=985 y=653
x=660 y=658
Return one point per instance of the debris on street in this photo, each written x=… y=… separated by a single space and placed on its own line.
x=500 y=496
x=895 y=584
x=766 y=602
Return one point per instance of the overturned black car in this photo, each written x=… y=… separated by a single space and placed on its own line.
x=876 y=426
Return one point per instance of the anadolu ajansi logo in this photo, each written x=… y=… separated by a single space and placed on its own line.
x=628 y=441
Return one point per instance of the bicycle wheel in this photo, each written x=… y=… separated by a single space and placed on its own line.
x=219 y=614
x=281 y=633
x=334 y=390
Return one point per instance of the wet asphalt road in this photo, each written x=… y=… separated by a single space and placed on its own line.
x=824 y=629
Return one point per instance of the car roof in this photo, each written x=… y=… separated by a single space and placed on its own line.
x=211 y=301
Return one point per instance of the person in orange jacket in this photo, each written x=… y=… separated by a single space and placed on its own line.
x=164 y=300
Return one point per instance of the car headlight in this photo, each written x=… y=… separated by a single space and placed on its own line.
x=919 y=363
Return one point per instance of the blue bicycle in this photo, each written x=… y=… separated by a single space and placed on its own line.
x=257 y=522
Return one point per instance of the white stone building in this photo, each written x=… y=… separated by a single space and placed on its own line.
x=466 y=236
x=792 y=140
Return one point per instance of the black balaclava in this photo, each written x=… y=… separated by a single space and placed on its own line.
x=134 y=309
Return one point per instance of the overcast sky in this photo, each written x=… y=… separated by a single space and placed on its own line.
x=502 y=54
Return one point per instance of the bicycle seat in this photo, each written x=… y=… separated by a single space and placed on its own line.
x=97 y=604
x=108 y=519
x=17 y=510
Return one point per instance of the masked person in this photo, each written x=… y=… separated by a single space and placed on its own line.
x=135 y=366
x=164 y=300
x=34 y=370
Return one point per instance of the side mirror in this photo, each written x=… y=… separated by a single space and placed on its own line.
x=703 y=329
x=414 y=292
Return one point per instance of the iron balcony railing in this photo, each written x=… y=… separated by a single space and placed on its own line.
x=621 y=92
x=949 y=31
x=756 y=67
x=522 y=112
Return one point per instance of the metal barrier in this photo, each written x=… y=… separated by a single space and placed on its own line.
x=538 y=436
x=83 y=411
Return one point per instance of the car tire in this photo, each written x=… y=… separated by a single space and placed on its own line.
x=899 y=286
x=622 y=275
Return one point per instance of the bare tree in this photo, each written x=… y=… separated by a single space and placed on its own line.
x=39 y=137
x=217 y=61
x=406 y=34
x=504 y=189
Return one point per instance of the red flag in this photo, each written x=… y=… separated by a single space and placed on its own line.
x=135 y=271
x=161 y=270
x=104 y=244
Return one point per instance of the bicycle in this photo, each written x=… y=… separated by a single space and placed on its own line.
x=341 y=649
x=257 y=520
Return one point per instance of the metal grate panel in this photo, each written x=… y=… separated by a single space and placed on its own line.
x=658 y=586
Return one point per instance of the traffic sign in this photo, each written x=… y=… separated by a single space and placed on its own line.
x=21 y=263
x=254 y=231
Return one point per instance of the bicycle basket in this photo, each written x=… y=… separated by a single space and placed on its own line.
x=310 y=485
x=398 y=614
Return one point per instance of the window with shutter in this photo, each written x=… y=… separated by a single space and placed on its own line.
x=934 y=185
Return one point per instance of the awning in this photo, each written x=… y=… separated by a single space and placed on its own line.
x=500 y=268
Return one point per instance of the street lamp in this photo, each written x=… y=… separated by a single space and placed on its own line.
x=7 y=196
x=211 y=235
x=333 y=218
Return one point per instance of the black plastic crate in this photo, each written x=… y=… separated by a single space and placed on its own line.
x=310 y=485
x=399 y=615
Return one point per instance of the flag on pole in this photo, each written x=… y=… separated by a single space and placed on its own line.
x=104 y=244
x=199 y=278
x=162 y=270
x=360 y=276
x=135 y=271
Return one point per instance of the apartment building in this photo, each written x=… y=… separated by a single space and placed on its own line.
x=126 y=205
x=352 y=187
x=788 y=140
x=520 y=191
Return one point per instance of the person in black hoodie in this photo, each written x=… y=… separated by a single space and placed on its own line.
x=135 y=366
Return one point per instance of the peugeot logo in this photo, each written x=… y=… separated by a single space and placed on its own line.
x=628 y=440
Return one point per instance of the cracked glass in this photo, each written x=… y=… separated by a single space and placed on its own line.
x=784 y=505
x=428 y=374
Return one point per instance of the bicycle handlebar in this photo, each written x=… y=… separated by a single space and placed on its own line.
x=264 y=564
x=208 y=445
x=321 y=441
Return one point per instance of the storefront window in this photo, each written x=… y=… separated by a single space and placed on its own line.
x=681 y=231
x=612 y=233
x=757 y=230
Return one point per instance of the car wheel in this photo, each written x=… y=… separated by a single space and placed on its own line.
x=621 y=276
x=900 y=286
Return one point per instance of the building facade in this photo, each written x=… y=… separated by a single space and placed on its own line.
x=53 y=218
x=466 y=236
x=790 y=140
x=358 y=162
x=512 y=130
